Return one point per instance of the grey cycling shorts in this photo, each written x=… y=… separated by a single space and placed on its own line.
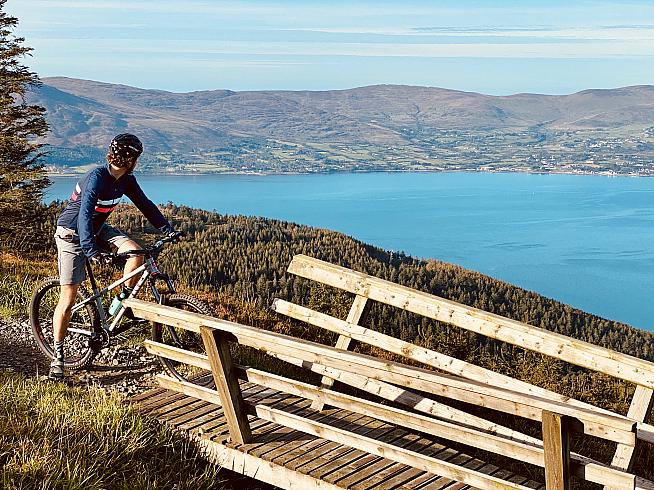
x=70 y=257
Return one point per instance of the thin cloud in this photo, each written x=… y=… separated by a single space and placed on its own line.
x=630 y=26
x=176 y=48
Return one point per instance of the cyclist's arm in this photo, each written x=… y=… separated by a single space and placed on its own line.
x=85 y=217
x=147 y=207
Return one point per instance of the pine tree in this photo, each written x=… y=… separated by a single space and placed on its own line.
x=22 y=175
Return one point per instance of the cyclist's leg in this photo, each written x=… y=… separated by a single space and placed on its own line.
x=132 y=263
x=120 y=242
x=70 y=260
x=63 y=310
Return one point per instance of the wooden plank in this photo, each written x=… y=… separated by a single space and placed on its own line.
x=170 y=404
x=641 y=405
x=381 y=449
x=151 y=403
x=557 y=451
x=436 y=481
x=142 y=397
x=405 y=473
x=359 y=461
x=332 y=451
x=266 y=471
x=177 y=354
x=216 y=411
x=222 y=367
x=262 y=429
x=341 y=454
x=611 y=427
x=356 y=315
x=196 y=391
x=299 y=438
x=372 y=465
x=189 y=411
x=396 y=474
x=447 y=454
x=313 y=449
x=258 y=426
x=273 y=439
x=514 y=332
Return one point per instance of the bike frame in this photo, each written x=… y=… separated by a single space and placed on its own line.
x=148 y=270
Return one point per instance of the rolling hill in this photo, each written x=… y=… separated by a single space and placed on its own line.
x=87 y=113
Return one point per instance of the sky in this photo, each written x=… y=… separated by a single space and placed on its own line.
x=492 y=47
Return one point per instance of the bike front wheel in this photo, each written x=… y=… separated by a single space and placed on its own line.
x=78 y=348
x=183 y=339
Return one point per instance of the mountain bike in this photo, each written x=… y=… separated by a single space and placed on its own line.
x=92 y=328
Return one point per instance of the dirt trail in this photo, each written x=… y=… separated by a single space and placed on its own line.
x=127 y=369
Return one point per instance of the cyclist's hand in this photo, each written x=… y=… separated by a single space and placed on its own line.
x=176 y=236
x=101 y=259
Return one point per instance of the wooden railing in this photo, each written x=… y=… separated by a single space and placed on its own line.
x=395 y=381
x=574 y=351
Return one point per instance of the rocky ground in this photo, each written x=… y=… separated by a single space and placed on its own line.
x=126 y=368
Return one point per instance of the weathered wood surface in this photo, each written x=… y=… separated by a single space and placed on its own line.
x=224 y=375
x=641 y=405
x=514 y=332
x=292 y=458
x=556 y=442
x=357 y=314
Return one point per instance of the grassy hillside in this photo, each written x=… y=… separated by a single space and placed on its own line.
x=53 y=436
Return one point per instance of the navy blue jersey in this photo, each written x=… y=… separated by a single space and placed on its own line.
x=95 y=197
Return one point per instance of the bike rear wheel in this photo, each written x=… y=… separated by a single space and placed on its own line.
x=78 y=349
x=183 y=339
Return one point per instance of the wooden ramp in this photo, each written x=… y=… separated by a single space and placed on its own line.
x=290 y=458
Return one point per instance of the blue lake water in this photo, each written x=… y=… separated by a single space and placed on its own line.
x=584 y=240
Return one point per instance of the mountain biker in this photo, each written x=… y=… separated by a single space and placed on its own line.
x=82 y=231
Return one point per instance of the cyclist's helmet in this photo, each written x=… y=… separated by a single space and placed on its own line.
x=126 y=147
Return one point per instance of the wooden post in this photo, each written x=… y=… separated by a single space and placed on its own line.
x=556 y=446
x=641 y=404
x=224 y=375
x=357 y=314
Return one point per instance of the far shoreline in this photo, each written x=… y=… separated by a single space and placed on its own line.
x=389 y=171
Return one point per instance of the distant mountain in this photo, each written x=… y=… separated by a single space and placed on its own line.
x=88 y=113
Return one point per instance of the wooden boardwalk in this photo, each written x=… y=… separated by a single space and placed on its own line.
x=279 y=454
x=297 y=435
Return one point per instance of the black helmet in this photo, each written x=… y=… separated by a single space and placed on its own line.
x=126 y=146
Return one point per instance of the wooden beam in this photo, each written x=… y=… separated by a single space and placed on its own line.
x=189 y=389
x=556 y=443
x=356 y=315
x=611 y=427
x=177 y=354
x=224 y=375
x=514 y=332
x=641 y=405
